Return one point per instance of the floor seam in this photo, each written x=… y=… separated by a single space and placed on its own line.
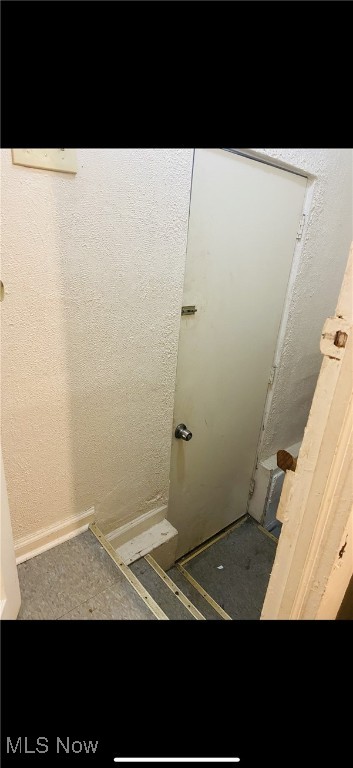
x=90 y=597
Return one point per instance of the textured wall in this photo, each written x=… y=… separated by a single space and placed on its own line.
x=93 y=270
x=321 y=262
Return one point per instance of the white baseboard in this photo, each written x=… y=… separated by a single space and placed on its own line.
x=123 y=533
x=46 y=538
x=159 y=536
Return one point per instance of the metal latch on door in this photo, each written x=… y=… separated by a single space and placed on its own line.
x=188 y=310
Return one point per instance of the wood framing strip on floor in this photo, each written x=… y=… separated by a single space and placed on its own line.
x=129 y=575
x=203 y=592
x=174 y=588
x=209 y=543
x=268 y=533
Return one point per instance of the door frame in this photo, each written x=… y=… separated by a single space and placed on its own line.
x=266 y=160
x=256 y=511
x=10 y=597
x=314 y=559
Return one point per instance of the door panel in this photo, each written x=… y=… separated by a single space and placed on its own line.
x=244 y=217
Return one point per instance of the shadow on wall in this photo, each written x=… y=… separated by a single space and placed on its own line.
x=121 y=225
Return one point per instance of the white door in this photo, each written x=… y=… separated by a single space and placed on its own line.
x=244 y=218
x=10 y=598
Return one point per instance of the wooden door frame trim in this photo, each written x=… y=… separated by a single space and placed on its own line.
x=316 y=501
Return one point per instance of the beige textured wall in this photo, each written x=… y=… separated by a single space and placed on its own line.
x=320 y=262
x=93 y=270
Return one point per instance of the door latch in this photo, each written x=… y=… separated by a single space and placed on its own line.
x=188 y=310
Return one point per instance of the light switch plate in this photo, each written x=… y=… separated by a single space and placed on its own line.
x=63 y=160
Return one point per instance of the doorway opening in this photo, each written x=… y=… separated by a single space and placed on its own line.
x=245 y=220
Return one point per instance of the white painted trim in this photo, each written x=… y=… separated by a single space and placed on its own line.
x=46 y=538
x=9 y=584
x=161 y=539
x=126 y=531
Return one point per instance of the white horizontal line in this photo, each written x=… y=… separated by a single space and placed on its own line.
x=176 y=759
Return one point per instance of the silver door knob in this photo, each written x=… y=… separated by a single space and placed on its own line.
x=182 y=432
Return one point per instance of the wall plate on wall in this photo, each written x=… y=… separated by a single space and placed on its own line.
x=63 y=160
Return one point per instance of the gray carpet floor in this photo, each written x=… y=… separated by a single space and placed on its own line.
x=165 y=598
x=236 y=569
x=77 y=580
